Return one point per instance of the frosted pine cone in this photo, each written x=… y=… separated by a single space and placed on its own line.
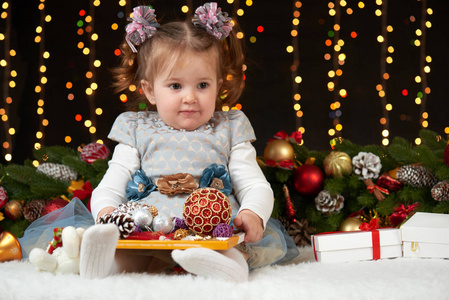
x=417 y=176
x=327 y=203
x=57 y=171
x=440 y=191
x=366 y=165
x=124 y=222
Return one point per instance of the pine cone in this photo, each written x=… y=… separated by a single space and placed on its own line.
x=57 y=171
x=124 y=222
x=301 y=232
x=440 y=191
x=366 y=165
x=33 y=209
x=417 y=176
x=327 y=203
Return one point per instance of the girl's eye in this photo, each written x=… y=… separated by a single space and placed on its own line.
x=203 y=85
x=175 y=86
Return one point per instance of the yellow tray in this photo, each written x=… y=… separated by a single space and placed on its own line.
x=214 y=244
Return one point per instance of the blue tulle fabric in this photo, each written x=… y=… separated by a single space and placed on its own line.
x=275 y=247
x=40 y=232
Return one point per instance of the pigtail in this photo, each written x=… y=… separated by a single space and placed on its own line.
x=233 y=58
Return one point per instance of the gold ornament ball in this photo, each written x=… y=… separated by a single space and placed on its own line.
x=337 y=164
x=14 y=210
x=278 y=150
x=351 y=224
x=9 y=247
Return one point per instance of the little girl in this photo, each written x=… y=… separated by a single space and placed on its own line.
x=187 y=71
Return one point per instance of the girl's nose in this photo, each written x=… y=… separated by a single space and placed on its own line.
x=189 y=98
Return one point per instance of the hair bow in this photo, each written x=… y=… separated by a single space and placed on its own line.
x=143 y=25
x=216 y=22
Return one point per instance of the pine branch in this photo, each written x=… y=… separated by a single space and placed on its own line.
x=46 y=187
x=21 y=174
x=82 y=168
x=433 y=140
x=54 y=154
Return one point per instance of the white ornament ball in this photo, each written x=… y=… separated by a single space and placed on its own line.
x=163 y=222
x=143 y=218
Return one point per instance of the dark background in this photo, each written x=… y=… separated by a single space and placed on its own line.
x=267 y=99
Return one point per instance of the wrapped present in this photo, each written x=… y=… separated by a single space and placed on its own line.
x=426 y=235
x=357 y=245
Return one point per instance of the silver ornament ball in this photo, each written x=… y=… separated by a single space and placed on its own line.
x=163 y=222
x=143 y=218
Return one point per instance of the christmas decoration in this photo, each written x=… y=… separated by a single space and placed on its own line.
x=84 y=193
x=53 y=205
x=401 y=213
x=56 y=242
x=278 y=150
x=351 y=224
x=308 y=180
x=289 y=208
x=366 y=165
x=417 y=176
x=179 y=224
x=64 y=259
x=440 y=191
x=387 y=182
x=57 y=171
x=143 y=218
x=204 y=209
x=124 y=222
x=9 y=247
x=223 y=230
x=337 y=164
x=3 y=197
x=327 y=203
x=33 y=209
x=94 y=151
x=181 y=233
x=446 y=155
x=300 y=231
x=163 y=222
x=14 y=210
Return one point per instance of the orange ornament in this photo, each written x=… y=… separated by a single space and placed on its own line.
x=9 y=247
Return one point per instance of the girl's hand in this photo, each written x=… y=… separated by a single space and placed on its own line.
x=251 y=224
x=105 y=211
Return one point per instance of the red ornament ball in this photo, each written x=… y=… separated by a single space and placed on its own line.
x=94 y=151
x=53 y=205
x=205 y=208
x=3 y=197
x=308 y=180
x=446 y=155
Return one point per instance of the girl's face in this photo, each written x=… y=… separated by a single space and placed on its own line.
x=185 y=95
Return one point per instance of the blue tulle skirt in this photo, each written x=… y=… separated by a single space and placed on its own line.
x=275 y=247
x=40 y=232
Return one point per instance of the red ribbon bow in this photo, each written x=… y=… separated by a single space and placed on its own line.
x=286 y=164
x=371 y=189
x=294 y=137
x=401 y=212
x=372 y=226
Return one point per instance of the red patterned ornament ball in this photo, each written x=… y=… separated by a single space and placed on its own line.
x=94 y=151
x=308 y=180
x=204 y=209
x=3 y=197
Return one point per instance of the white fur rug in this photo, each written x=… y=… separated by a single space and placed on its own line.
x=399 y=278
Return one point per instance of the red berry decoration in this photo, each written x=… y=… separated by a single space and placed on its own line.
x=205 y=208
x=446 y=155
x=3 y=197
x=94 y=151
x=308 y=180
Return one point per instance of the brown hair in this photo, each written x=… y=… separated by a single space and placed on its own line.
x=167 y=45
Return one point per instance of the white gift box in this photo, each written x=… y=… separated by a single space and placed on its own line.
x=357 y=245
x=426 y=235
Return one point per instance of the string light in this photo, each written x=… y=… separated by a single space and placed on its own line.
x=9 y=84
x=296 y=78
x=385 y=59
x=423 y=61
